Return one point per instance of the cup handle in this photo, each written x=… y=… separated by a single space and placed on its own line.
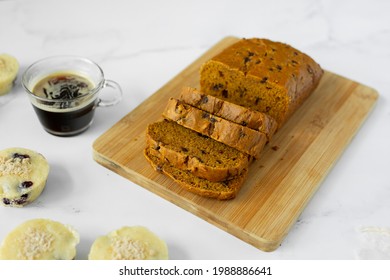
x=110 y=94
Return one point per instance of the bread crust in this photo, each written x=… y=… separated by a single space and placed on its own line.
x=234 y=135
x=232 y=112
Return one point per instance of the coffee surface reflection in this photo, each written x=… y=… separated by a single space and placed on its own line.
x=63 y=85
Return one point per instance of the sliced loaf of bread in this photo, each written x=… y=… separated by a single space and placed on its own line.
x=242 y=138
x=188 y=150
x=230 y=111
x=220 y=190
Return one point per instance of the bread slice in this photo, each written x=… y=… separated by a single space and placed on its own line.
x=188 y=150
x=219 y=190
x=232 y=112
x=234 y=135
x=267 y=76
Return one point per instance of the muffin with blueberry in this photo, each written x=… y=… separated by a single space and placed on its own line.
x=23 y=176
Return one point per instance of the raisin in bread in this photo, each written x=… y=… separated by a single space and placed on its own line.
x=220 y=190
x=266 y=76
x=129 y=243
x=188 y=150
x=230 y=111
x=242 y=138
x=23 y=175
x=40 y=239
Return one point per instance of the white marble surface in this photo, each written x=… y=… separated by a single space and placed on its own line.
x=142 y=44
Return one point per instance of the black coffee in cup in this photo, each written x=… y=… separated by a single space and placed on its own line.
x=68 y=107
x=65 y=91
x=67 y=123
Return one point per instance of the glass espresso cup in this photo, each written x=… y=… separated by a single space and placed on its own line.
x=65 y=91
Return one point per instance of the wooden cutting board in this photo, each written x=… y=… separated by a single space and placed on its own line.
x=279 y=185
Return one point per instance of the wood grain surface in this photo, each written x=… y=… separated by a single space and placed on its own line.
x=280 y=183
